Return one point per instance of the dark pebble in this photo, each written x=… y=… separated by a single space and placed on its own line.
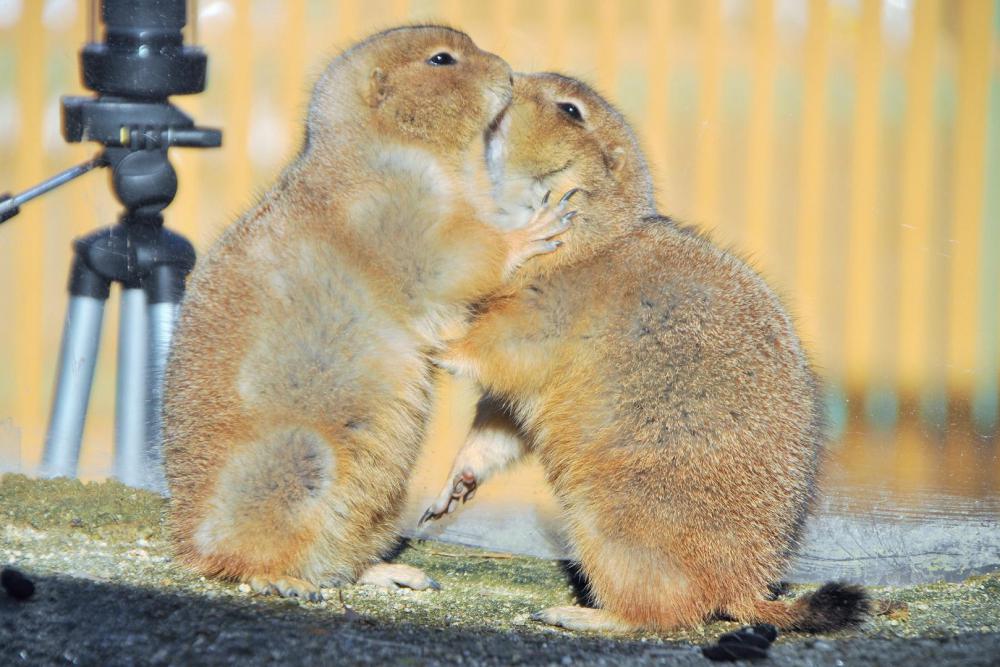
x=767 y=631
x=747 y=643
x=746 y=636
x=727 y=652
x=16 y=584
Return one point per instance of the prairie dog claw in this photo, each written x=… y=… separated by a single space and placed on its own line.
x=462 y=487
x=288 y=587
x=566 y=197
x=537 y=237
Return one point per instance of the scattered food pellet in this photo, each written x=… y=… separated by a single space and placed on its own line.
x=16 y=584
x=894 y=610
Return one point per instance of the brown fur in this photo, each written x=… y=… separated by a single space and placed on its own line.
x=659 y=380
x=297 y=389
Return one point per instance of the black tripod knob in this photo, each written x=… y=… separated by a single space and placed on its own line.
x=144 y=181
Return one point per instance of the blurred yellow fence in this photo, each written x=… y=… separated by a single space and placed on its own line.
x=850 y=147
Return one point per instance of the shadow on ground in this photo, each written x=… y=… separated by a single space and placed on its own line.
x=73 y=621
x=108 y=593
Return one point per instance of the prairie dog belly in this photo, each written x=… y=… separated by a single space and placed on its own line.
x=326 y=344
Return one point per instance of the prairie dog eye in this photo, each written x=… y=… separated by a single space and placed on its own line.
x=443 y=58
x=572 y=111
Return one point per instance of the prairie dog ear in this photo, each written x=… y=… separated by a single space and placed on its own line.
x=378 y=88
x=614 y=159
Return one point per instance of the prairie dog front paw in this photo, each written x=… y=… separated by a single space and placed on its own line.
x=538 y=236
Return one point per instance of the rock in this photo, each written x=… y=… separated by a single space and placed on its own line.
x=16 y=584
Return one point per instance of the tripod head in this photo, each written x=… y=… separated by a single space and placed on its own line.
x=140 y=63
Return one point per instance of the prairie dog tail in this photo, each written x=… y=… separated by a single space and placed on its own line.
x=266 y=507
x=834 y=606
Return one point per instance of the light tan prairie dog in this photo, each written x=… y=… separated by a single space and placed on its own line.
x=659 y=380
x=298 y=385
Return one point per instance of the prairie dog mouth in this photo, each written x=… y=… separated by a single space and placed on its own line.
x=498 y=99
x=496 y=145
x=498 y=119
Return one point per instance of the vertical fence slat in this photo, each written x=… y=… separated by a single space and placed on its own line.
x=183 y=215
x=294 y=85
x=917 y=196
x=706 y=185
x=505 y=12
x=237 y=78
x=986 y=396
x=348 y=22
x=975 y=32
x=659 y=40
x=451 y=11
x=27 y=233
x=865 y=221
x=399 y=10
x=608 y=31
x=760 y=140
x=556 y=18
x=83 y=214
x=812 y=177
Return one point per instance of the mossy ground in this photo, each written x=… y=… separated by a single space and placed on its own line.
x=99 y=555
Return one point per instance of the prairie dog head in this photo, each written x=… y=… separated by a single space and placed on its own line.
x=557 y=134
x=428 y=86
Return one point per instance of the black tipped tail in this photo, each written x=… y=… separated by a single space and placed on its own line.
x=834 y=606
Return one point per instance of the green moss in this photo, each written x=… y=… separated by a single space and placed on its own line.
x=95 y=508
x=108 y=532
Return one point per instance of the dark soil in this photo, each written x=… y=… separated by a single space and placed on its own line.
x=107 y=593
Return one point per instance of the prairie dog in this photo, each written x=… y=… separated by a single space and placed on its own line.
x=659 y=380
x=298 y=383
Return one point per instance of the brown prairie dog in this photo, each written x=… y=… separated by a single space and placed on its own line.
x=299 y=380
x=659 y=380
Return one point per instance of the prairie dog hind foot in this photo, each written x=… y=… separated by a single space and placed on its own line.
x=494 y=444
x=462 y=487
x=396 y=575
x=537 y=237
x=582 y=619
x=288 y=587
x=385 y=575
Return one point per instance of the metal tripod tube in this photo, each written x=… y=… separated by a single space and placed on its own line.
x=130 y=390
x=162 y=317
x=77 y=358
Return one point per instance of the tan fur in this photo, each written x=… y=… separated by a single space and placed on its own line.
x=657 y=377
x=297 y=389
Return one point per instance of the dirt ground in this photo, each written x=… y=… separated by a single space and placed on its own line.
x=107 y=593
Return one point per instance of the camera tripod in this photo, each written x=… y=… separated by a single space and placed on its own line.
x=141 y=62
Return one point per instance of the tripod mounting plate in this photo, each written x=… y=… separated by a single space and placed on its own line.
x=114 y=121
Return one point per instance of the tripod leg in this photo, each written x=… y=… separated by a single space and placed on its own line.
x=162 y=317
x=77 y=357
x=164 y=290
x=130 y=390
